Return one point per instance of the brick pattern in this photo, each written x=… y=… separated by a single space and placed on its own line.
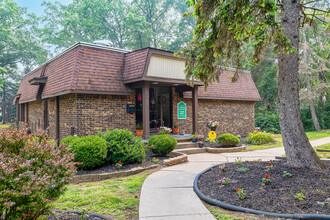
x=135 y=63
x=36 y=115
x=68 y=114
x=100 y=112
x=51 y=117
x=236 y=117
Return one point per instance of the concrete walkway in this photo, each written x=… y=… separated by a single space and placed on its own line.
x=169 y=194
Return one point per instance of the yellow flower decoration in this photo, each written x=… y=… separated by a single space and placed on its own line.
x=212 y=135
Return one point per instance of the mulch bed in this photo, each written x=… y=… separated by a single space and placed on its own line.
x=111 y=168
x=72 y=216
x=276 y=197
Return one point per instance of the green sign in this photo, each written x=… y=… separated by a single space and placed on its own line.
x=182 y=110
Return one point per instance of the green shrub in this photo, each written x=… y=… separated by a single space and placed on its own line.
x=267 y=121
x=123 y=145
x=228 y=139
x=162 y=144
x=259 y=138
x=33 y=173
x=91 y=150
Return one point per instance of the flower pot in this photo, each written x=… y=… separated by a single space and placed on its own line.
x=213 y=129
x=139 y=133
x=176 y=130
x=194 y=140
x=201 y=145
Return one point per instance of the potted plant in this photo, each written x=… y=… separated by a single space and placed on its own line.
x=176 y=128
x=194 y=137
x=200 y=144
x=212 y=125
x=139 y=130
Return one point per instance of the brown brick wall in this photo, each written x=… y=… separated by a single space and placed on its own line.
x=36 y=115
x=68 y=114
x=99 y=112
x=51 y=117
x=236 y=117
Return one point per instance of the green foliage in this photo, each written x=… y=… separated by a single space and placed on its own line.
x=300 y=196
x=123 y=145
x=228 y=139
x=91 y=150
x=219 y=39
x=322 y=113
x=242 y=169
x=162 y=144
x=259 y=138
x=267 y=121
x=33 y=173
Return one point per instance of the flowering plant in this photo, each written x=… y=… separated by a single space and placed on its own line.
x=118 y=165
x=272 y=161
x=265 y=180
x=269 y=166
x=33 y=173
x=240 y=193
x=223 y=167
x=212 y=124
x=286 y=174
x=164 y=130
x=224 y=181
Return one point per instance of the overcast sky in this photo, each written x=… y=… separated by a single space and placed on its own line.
x=35 y=5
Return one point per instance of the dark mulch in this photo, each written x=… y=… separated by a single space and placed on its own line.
x=72 y=216
x=111 y=167
x=278 y=195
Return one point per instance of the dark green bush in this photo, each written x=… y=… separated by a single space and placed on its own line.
x=162 y=144
x=228 y=139
x=91 y=150
x=259 y=138
x=123 y=145
x=268 y=121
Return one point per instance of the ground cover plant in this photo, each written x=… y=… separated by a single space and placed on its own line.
x=259 y=138
x=33 y=173
x=115 y=198
x=90 y=151
x=305 y=191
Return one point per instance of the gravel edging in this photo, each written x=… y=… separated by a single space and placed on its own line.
x=181 y=158
x=79 y=213
x=251 y=211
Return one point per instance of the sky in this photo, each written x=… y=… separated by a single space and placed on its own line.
x=34 y=6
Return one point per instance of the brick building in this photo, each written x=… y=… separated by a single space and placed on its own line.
x=92 y=87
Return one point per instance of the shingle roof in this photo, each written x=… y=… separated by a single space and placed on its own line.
x=84 y=68
x=243 y=89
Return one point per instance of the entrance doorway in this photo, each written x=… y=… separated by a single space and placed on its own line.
x=160 y=107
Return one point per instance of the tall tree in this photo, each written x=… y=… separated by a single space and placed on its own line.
x=222 y=27
x=18 y=44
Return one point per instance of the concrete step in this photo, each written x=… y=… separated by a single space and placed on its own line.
x=182 y=145
x=191 y=150
x=183 y=139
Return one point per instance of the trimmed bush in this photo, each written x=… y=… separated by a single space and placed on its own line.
x=228 y=139
x=123 y=145
x=162 y=144
x=91 y=150
x=259 y=138
x=33 y=173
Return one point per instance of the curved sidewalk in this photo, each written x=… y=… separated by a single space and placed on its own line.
x=168 y=193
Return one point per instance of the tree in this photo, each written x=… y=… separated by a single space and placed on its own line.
x=221 y=29
x=18 y=44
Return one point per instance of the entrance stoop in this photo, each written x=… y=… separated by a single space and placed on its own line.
x=185 y=142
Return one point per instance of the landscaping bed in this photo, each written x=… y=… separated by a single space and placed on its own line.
x=278 y=196
x=150 y=160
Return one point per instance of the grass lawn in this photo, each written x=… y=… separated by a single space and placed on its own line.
x=312 y=135
x=4 y=126
x=115 y=198
x=323 y=154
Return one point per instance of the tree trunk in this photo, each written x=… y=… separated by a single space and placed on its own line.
x=299 y=151
x=308 y=84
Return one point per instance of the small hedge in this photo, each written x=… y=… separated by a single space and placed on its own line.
x=162 y=144
x=123 y=145
x=91 y=150
x=228 y=139
x=259 y=138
